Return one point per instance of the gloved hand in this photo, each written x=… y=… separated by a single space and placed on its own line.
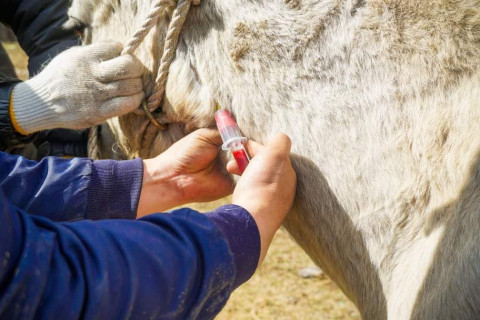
x=81 y=87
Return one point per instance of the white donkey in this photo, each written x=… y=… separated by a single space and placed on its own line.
x=382 y=101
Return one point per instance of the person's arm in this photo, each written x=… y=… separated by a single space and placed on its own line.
x=182 y=265
x=75 y=189
x=9 y=137
x=79 y=88
x=72 y=189
x=170 y=266
x=267 y=187
x=39 y=28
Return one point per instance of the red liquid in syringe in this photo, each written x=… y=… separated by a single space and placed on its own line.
x=242 y=159
x=232 y=138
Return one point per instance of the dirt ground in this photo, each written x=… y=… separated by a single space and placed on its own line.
x=276 y=291
x=18 y=58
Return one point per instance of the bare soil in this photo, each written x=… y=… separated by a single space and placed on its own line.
x=276 y=291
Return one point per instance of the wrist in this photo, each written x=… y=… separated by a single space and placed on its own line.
x=265 y=220
x=241 y=231
x=29 y=110
x=9 y=136
x=160 y=191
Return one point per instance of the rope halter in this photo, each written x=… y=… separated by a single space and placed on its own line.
x=171 y=40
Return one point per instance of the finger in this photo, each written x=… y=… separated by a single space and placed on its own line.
x=253 y=148
x=209 y=135
x=280 y=144
x=226 y=181
x=120 y=68
x=123 y=88
x=121 y=105
x=104 y=50
x=232 y=168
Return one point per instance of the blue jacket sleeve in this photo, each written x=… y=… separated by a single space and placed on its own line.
x=38 y=25
x=72 y=189
x=165 y=266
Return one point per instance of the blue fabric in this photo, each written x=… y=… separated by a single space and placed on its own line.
x=164 y=266
x=243 y=239
x=38 y=25
x=182 y=265
x=72 y=189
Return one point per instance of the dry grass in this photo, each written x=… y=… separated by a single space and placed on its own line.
x=18 y=58
x=276 y=291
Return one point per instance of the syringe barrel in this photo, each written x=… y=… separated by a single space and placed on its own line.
x=228 y=128
x=232 y=138
x=241 y=156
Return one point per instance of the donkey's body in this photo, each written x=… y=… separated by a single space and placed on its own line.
x=382 y=101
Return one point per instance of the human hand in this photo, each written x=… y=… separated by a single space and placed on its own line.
x=189 y=171
x=79 y=88
x=267 y=187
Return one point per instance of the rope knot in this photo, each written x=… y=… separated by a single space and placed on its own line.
x=171 y=40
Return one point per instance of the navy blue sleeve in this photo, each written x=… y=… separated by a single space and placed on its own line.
x=164 y=266
x=9 y=138
x=72 y=189
x=38 y=25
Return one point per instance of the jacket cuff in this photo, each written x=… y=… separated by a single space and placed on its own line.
x=114 y=189
x=241 y=232
x=8 y=136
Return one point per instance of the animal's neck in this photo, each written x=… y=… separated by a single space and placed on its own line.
x=272 y=87
x=371 y=170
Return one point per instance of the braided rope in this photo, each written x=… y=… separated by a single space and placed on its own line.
x=170 y=47
x=148 y=24
x=171 y=40
x=92 y=144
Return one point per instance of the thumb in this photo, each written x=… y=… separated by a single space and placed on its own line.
x=104 y=50
x=279 y=144
x=232 y=168
x=209 y=135
x=253 y=148
x=121 y=105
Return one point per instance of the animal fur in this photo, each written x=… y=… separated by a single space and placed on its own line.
x=382 y=101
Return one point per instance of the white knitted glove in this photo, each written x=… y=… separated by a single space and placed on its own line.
x=81 y=87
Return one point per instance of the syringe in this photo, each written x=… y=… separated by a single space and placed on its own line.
x=232 y=138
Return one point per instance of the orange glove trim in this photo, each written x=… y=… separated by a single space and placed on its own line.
x=14 y=121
